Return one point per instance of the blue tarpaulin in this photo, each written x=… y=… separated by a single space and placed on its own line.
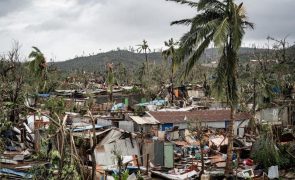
x=119 y=106
x=44 y=95
x=167 y=126
x=16 y=173
x=157 y=102
x=276 y=90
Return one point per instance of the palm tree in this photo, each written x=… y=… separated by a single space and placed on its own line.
x=222 y=23
x=38 y=66
x=110 y=80
x=144 y=47
x=170 y=52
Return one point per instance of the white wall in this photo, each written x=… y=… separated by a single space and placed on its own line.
x=104 y=155
x=270 y=115
x=241 y=125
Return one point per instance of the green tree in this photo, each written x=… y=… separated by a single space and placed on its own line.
x=223 y=23
x=38 y=67
x=12 y=86
x=144 y=47
x=110 y=80
x=170 y=53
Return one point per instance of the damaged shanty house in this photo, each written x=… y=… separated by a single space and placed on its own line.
x=113 y=145
x=144 y=124
x=21 y=142
x=217 y=119
x=174 y=152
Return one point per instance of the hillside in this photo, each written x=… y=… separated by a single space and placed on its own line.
x=97 y=62
x=131 y=60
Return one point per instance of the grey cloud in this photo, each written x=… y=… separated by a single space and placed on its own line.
x=10 y=6
x=271 y=17
x=50 y=25
x=69 y=14
x=88 y=25
x=91 y=2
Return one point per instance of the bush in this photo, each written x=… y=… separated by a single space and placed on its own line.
x=264 y=150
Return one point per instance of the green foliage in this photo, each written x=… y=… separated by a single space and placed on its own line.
x=12 y=85
x=54 y=157
x=134 y=90
x=70 y=172
x=5 y=123
x=2 y=145
x=270 y=71
x=171 y=53
x=55 y=105
x=96 y=63
x=122 y=74
x=139 y=176
x=139 y=110
x=41 y=172
x=133 y=61
x=220 y=22
x=46 y=171
x=42 y=154
x=264 y=150
x=37 y=65
x=124 y=175
x=81 y=141
x=286 y=160
x=38 y=69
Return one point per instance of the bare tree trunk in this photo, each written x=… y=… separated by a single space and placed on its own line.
x=93 y=147
x=111 y=93
x=61 y=152
x=146 y=61
x=230 y=136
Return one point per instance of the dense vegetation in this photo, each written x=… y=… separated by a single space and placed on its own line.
x=96 y=63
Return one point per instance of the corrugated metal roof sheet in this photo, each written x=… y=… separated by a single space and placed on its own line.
x=78 y=128
x=88 y=134
x=202 y=115
x=144 y=120
x=112 y=136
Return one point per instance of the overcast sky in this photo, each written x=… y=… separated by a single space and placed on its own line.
x=65 y=28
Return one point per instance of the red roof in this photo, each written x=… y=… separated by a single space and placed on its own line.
x=202 y=115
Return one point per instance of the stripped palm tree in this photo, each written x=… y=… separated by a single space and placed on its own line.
x=38 y=66
x=170 y=53
x=110 y=80
x=223 y=23
x=144 y=47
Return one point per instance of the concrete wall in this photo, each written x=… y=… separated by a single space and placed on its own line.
x=196 y=93
x=126 y=125
x=270 y=115
x=181 y=125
